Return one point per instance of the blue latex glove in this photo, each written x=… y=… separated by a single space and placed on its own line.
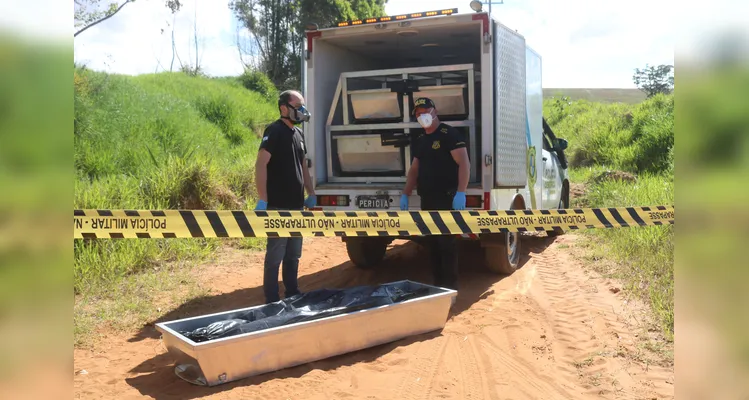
x=310 y=201
x=261 y=205
x=404 y=202
x=459 y=201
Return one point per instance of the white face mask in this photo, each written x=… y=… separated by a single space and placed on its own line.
x=425 y=120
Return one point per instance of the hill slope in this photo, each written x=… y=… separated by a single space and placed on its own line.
x=139 y=139
x=159 y=141
x=612 y=95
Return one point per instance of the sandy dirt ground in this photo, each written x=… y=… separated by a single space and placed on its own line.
x=551 y=330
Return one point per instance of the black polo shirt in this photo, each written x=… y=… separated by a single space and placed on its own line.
x=438 y=171
x=285 y=180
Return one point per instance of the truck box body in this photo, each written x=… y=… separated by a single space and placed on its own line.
x=360 y=82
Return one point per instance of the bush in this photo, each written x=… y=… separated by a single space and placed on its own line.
x=260 y=83
x=221 y=112
x=160 y=141
x=653 y=134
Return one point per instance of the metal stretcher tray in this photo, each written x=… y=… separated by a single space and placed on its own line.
x=375 y=104
x=227 y=346
x=365 y=153
x=383 y=104
x=449 y=99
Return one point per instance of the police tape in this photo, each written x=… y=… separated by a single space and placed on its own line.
x=116 y=224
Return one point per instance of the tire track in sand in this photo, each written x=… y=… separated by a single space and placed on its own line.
x=418 y=382
x=574 y=314
x=524 y=377
x=473 y=382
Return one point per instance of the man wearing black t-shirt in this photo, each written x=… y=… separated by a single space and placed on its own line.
x=440 y=170
x=281 y=175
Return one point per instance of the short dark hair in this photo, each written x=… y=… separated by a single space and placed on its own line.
x=286 y=95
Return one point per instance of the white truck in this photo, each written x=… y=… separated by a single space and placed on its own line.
x=360 y=79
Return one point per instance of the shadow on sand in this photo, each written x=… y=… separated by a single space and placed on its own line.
x=406 y=261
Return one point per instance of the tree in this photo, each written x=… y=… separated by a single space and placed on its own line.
x=277 y=30
x=88 y=13
x=653 y=80
x=270 y=24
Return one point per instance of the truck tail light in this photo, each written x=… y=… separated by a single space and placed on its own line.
x=473 y=201
x=332 y=200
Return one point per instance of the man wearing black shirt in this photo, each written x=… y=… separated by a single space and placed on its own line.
x=440 y=170
x=281 y=175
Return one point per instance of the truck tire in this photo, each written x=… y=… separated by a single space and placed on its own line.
x=564 y=203
x=365 y=253
x=502 y=255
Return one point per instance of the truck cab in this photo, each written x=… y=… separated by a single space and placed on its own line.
x=360 y=80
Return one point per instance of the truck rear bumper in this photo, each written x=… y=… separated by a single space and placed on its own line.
x=393 y=194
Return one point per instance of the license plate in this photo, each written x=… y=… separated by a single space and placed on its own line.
x=379 y=202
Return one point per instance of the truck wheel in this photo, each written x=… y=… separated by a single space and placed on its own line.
x=365 y=253
x=564 y=203
x=503 y=254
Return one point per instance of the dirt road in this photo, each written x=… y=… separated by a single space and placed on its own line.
x=549 y=331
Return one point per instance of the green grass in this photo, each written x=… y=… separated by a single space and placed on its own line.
x=636 y=139
x=643 y=256
x=156 y=141
x=633 y=138
x=132 y=301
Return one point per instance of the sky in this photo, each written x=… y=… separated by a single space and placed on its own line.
x=583 y=43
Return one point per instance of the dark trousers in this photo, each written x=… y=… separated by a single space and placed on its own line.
x=286 y=250
x=278 y=250
x=443 y=249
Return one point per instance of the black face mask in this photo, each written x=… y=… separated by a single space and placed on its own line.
x=297 y=115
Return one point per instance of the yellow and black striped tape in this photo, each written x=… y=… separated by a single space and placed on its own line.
x=115 y=224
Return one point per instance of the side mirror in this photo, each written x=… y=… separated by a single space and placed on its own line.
x=561 y=144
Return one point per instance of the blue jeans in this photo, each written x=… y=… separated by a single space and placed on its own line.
x=288 y=251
